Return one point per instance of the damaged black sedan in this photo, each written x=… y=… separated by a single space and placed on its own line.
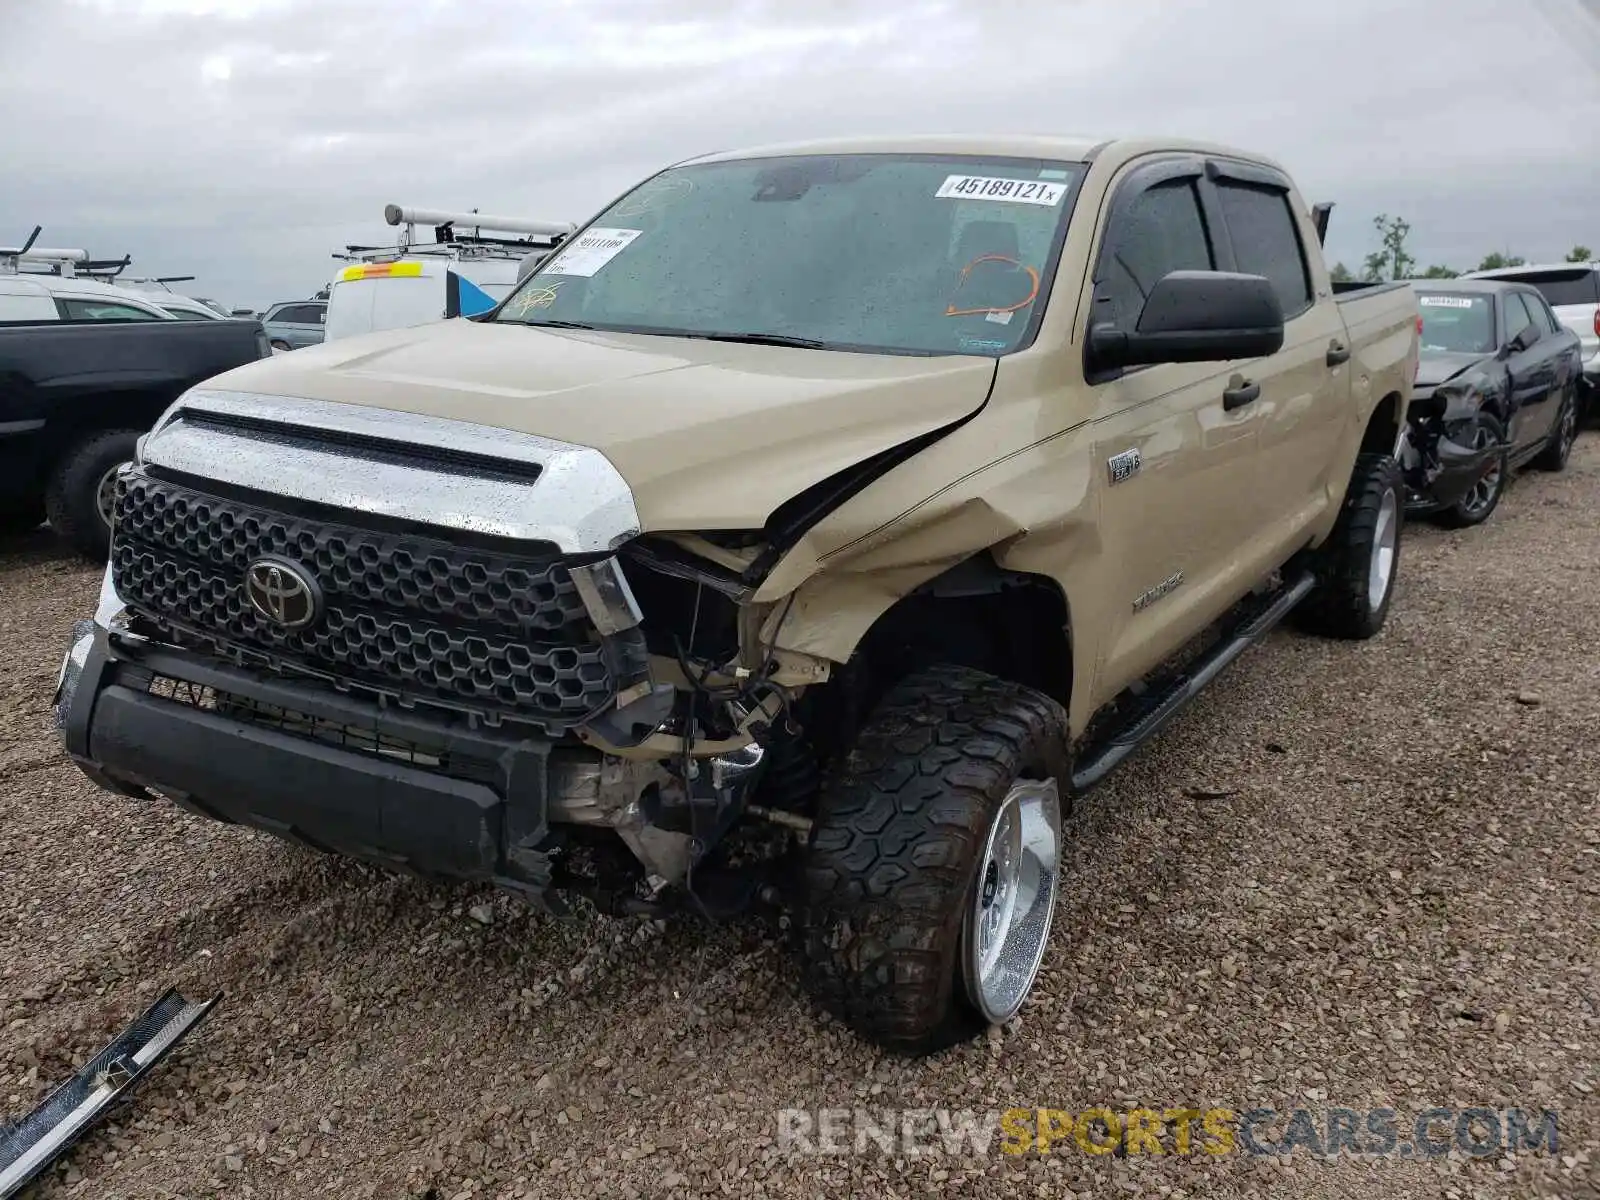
x=1496 y=388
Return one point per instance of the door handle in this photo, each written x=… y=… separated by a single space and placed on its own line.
x=1240 y=392
x=1338 y=353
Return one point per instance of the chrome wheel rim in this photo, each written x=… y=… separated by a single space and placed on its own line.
x=1385 y=541
x=1483 y=492
x=105 y=494
x=1007 y=925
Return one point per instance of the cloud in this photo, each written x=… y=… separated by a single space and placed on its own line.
x=245 y=140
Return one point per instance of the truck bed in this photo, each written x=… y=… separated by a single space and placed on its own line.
x=46 y=362
x=63 y=380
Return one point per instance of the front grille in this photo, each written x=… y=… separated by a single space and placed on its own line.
x=418 y=618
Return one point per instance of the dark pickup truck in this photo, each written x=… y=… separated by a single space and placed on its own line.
x=76 y=395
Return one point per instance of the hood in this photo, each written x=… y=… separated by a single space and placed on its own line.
x=709 y=435
x=1441 y=366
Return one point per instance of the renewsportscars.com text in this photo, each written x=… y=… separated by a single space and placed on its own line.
x=1384 y=1132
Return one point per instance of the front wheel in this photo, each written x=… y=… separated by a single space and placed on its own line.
x=1355 y=568
x=82 y=487
x=1476 y=506
x=933 y=866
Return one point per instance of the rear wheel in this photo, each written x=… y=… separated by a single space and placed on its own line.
x=932 y=872
x=82 y=486
x=1356 y=566
x=1559 y=448
x=1476 y=506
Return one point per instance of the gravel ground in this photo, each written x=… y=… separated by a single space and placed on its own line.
x=1357 y=875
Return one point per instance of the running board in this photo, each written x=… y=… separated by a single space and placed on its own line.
x=1098 y=760
x=33 y=1143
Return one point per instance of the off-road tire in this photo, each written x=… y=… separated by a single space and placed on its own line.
x=1559 y=446
x=1338 y=607
x=70 y=499
x=893 y=856
x=1458 y=515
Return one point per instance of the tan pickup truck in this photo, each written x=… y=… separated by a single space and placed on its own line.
x=806 y=531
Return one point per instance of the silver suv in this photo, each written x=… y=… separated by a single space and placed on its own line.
x=295 y=323
x=1573 y=291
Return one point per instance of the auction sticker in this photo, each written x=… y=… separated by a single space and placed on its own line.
x=591 y=250
x=1015 y=191
x=1444 y=302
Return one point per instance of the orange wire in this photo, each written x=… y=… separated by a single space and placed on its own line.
x=952 y=311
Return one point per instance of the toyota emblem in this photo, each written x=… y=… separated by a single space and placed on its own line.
x=282 y=592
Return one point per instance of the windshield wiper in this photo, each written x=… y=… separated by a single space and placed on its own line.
x=763 y=339
x=554 y=324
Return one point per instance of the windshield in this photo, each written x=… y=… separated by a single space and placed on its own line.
x=1459 y=323
x=890 y=253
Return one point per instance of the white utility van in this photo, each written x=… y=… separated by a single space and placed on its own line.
x=45 y=285
x=469 y=267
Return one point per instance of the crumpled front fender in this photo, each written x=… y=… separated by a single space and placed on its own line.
x=1459 y=468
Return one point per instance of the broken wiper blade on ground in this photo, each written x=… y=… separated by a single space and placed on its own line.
x=30 y=1145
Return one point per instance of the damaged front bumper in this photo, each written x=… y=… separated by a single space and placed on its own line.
x=411 y=790
x=303 y=763
x=1445 y=481
x=33 y=1143
x=1438 y=471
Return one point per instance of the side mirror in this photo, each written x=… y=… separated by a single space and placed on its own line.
x=1196 y=316
x=1526 y=338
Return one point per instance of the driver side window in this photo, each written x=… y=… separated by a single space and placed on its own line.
x=1517 y=318
x=1161 y=231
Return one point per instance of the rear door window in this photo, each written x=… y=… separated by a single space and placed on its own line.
x=1265 y=241
x=1580 y=286
x=103 y=310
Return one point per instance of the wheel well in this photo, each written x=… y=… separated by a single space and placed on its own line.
x=1497 y=406
x=87 y=416
x=1383 y=427
x=1010 y=624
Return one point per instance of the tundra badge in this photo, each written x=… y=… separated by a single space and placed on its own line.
x=1150 y=595
x=1125 y=465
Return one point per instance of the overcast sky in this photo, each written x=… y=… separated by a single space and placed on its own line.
x=243 y=141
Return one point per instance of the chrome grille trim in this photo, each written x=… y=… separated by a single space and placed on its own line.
x=579 y=501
